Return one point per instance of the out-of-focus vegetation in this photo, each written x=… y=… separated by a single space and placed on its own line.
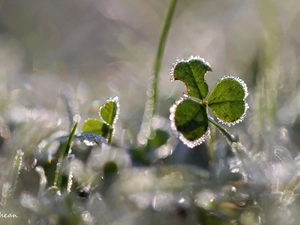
x=61 y=59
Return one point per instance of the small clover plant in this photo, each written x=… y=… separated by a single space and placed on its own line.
x=104 y=127
x=189 y=115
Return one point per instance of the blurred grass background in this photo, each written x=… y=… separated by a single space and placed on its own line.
x=106 y=48
x=95 y=49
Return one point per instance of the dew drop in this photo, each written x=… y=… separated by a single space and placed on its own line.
x=181 y=200
x=87 y=217
x=76 y=118
x=90 y=139
x=162 y=200
x=204 y=199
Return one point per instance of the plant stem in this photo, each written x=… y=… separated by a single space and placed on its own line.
x=237 y=148
x=151 y=105
x=160 y=52
x=66 y=150
x=229 y=136
x=110 y=134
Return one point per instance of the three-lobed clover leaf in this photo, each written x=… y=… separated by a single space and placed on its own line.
x=189 y=115
x=108 y=114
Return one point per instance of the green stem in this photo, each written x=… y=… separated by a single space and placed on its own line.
x=151 y=105
x=160 y=52
x=238 y=149
x=110 y=134
x=229 y=136
x=66 y=150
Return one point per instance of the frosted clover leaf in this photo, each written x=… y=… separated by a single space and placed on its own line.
x=227 y=100
x=189 y=115
x=108 y=114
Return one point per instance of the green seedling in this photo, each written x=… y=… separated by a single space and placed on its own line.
x=108 y=114
x=189 y=115
x=66 y=151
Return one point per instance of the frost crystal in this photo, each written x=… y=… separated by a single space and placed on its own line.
x=192 y=144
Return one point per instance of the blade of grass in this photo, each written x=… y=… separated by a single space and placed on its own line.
x=269 y=79
x=65 y=151
x=9 y=187
x=160 y=52
x=151 y=105
x=16 y=170
x=43 y=180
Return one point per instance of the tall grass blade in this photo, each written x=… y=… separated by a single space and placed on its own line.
x=151 y=105
x=66 y=150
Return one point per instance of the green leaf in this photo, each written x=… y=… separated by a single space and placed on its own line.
x=65 y=152
x=96 y=126
x=110 y=111
x=227 y=100
x=189 y=118
x=192 y=72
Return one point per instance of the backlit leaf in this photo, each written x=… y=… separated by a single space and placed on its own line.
x=96 y=126
x=189 y=118
x=192 y=72
x=227 y=100
x=109 y=111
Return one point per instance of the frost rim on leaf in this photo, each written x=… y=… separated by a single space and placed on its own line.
x=245 y=88
x=178 y=60
x=190 y=144
x=116 y=101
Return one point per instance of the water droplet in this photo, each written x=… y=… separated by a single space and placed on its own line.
x=181 y=200
x=204 y=199
x=87 y=217
x=162 y=201
x=284 y=134
x=90 y=139
x=150 y=93
x=53 y=191
x=76 y=118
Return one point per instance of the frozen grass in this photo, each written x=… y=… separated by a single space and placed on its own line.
x=52 y=175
